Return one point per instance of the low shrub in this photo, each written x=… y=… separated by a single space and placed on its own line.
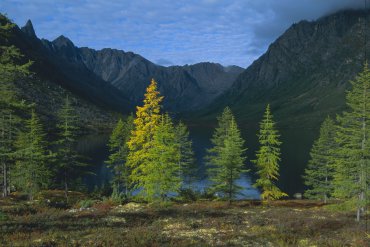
x=105 y=205
x=3 y=216
x=56 y=198
x=88 y=203
x=188 y=195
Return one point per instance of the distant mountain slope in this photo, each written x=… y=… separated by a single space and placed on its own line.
x=48 y=86
x=116 y=80
x=77 y=79
x=304 y=72
x=185 y=88
x=304 y=75
x=90 y=73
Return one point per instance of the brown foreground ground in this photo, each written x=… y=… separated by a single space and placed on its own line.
x=203 y=223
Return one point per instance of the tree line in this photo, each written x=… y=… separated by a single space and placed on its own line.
x=338 y=169
x=152 y=155
x=340 y=157
x=29 y=162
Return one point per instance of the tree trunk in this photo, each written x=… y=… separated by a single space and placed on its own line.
x=5 y=180
x=358 y=214
x=7 y=177
x=65 y=186
x=230 y=186
x=325 y=195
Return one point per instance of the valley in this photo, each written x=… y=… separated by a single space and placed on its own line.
x=103 y=147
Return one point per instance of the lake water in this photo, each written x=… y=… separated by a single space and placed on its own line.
x=94 y=146
x=295 y=153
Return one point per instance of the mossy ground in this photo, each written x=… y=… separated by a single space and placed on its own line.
x=202 y=223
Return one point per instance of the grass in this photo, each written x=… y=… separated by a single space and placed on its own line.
x=201 y=223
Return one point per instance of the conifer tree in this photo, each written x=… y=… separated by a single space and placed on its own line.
x=32 y=173
x=352 y=158
x=146 y=121
x=187 y=164
x=119 y=151
x=268 y=158
x=161 y=173
x=218 y=136
x=69 y=161
x=226 y=157
x=319 y=172
x=11 y=69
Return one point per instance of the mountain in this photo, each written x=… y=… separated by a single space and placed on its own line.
x=88 y=71
x=77 y=79
x=304 y=75
x=184 y=87
x=112 y=80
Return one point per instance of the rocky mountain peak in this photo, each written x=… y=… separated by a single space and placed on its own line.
x=28 y=29
x=63 y=41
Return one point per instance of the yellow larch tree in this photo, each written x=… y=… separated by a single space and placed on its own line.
x=147 y=119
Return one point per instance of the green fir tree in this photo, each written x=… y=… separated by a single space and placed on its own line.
x=352 y=157
x=118 y=153
x=218 y=136
x=319 y=172
x=11 y=69
x=187 y=164
x=32 y=172
x=161 y=174
x=268 y=158
x=226 y=157
x=69 y=167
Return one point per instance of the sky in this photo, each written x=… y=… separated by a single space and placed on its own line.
x=172 y=32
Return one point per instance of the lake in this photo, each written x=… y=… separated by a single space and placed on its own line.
x=295 y=153
x=94 y=146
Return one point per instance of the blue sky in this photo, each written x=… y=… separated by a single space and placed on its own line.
x=170 y=32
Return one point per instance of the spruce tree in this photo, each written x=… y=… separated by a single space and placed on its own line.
x=11 y=69
x=319 y=172
x=268 y=158
x=118 y=148
x=226 y=157
x=187 y=164
x=146 y=121
x=352 y=157
x=31 y=172
x=161 y=173
x=69 y=161
x=218 y=136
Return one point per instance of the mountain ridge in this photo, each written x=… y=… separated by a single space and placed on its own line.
x=185 y=88
x=304 y=76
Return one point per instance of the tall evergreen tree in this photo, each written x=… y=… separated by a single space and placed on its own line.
x=353 y=153
x=226 y=158
x=119 y=151
x=32 y=173
x=268 y=158
x=11 y=69
x=146 y=121
x=319 y=172
x=187 y=164
x=161 y=173
x=218 y=136
x=69 y=161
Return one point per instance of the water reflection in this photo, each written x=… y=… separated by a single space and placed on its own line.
x=94 y=146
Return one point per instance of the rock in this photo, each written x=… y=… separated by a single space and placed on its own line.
x=298 y=196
